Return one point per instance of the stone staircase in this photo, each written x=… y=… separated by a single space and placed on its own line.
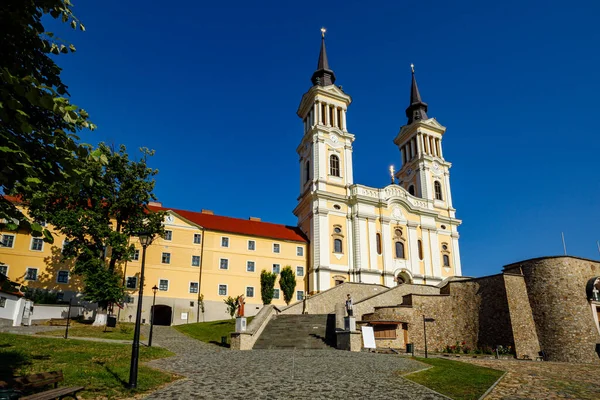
x=303 y=331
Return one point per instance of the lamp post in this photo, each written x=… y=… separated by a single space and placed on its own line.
x=425 y=331
x=145 y=241
x=154 y=289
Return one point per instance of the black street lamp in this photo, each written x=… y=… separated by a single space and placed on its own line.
x=154 y=289
x=145 y=241
x=425 y=331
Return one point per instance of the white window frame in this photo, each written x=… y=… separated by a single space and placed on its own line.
x=197 y=287
x=68 y=277
x=162 y=258
x=168 y=284
x=278 y=247
x=170 y=239
x=219 y=289
x=13 y=241
x=299 y=249
x=253 y=267
x=4 y=265
x=275 y=290
x=31 y=244
x=37 y=270
x=228 y=242
x=194 y=239
x=192 y=262
x=127 y=282
x=298 y=292
x=299 y=266
x=136 y=251
x=253 y=242
x=253 y=291
x=278 y=267
x=221 y=259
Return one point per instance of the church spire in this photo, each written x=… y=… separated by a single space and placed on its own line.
x=417 y=110
x=323 y=76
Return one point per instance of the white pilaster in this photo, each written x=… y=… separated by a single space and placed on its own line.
x=344 y=120
x=447 y=186
x=324 y=248
x=456 y=256
x=363 y=240
x=386 y=239
x=435 y=254
x=348 y=165
x=413 y=254
x=426 y=252
x=350 y=249
x=372 y=244
x=356 y=247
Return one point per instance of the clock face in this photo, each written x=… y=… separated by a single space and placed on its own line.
x=409 y=171
x=333 y=138
x=169 y=219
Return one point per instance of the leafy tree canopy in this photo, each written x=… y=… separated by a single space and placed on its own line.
x=287 y=283
x=100 y=214
x=267 y=283
x=38 y=123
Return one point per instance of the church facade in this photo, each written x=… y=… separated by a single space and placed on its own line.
x=406 y=232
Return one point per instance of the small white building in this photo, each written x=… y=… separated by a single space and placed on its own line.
x=11 y=308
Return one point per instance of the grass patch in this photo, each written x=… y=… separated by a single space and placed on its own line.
x=103 y=368
x=210 y=332
x=123 y=331
x=458 y=380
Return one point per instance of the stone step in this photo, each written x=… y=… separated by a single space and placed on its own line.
x=297 y=331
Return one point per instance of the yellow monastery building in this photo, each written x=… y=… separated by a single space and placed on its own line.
x=347 y=232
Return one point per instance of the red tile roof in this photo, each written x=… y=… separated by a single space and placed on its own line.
x=240 y=226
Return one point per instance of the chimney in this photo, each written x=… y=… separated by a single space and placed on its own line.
x=155 y=203
x=209 y=212
x=254 y=219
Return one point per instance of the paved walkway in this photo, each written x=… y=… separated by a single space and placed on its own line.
x=219 y=373
x=543 y=380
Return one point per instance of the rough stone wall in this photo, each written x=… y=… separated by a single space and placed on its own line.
x=324 y=302
x=390 y=297
x=563 y=316
x=495 y=326
x=526 y=340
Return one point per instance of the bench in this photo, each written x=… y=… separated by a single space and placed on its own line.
x=35 y=381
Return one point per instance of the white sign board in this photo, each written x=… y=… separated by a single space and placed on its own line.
x=184 y=316
x=368 y=337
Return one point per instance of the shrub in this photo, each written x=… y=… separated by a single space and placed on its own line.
x=126 y=329
x=232 y=305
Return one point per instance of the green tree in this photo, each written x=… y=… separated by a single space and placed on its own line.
x=232 y=305
x=38 y=124
x=267 y=284
x=100 y=215
x=287 y=283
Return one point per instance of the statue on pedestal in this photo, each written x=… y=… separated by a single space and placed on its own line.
x=349 y=305
x=240 y=306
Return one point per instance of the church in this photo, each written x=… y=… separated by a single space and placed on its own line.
x=406 y=232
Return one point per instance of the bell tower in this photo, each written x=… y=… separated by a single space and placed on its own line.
x=325 y=164
x=424 y=172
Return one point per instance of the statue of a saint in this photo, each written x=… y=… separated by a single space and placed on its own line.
x=240 y=306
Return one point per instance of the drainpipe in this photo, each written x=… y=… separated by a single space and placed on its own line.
x=200 y=276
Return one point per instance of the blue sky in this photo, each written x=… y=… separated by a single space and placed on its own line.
x=213 y=87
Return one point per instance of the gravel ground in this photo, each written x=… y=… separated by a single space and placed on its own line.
x=218 y=373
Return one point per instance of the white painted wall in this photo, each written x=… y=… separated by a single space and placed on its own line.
x=48 y=311
x=13 y=309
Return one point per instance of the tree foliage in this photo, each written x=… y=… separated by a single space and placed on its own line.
x=38 y=123
x=232 y=305
x=100 y=214
x=267 y=284
x=287 y=283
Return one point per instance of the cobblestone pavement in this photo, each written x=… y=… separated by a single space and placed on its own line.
x=219 y=373
x=543 y=380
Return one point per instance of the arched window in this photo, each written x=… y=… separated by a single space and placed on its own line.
x=437 y=187
x=307 y=170
x=399 y=250
x=337 y=245
x=411 y=190
x=334 y=165
x=378 y=242
x=420 y=249
x=446 y=260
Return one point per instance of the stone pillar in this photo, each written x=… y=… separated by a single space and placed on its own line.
x=344 y=121
x=348 y=165
x=327 y=121
x=316 y=112
x=336 y=123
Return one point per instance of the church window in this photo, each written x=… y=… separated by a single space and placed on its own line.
x=445 y=247
x=420 y=249
x=399 y=250
x=307 y=171
x=378 y=242
x=411 y=190
x=337 y=207
x=398 y=232
x=334 y=165
x=446 y=260
x=438 y=190
x=337 y=245
x=337 y=229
